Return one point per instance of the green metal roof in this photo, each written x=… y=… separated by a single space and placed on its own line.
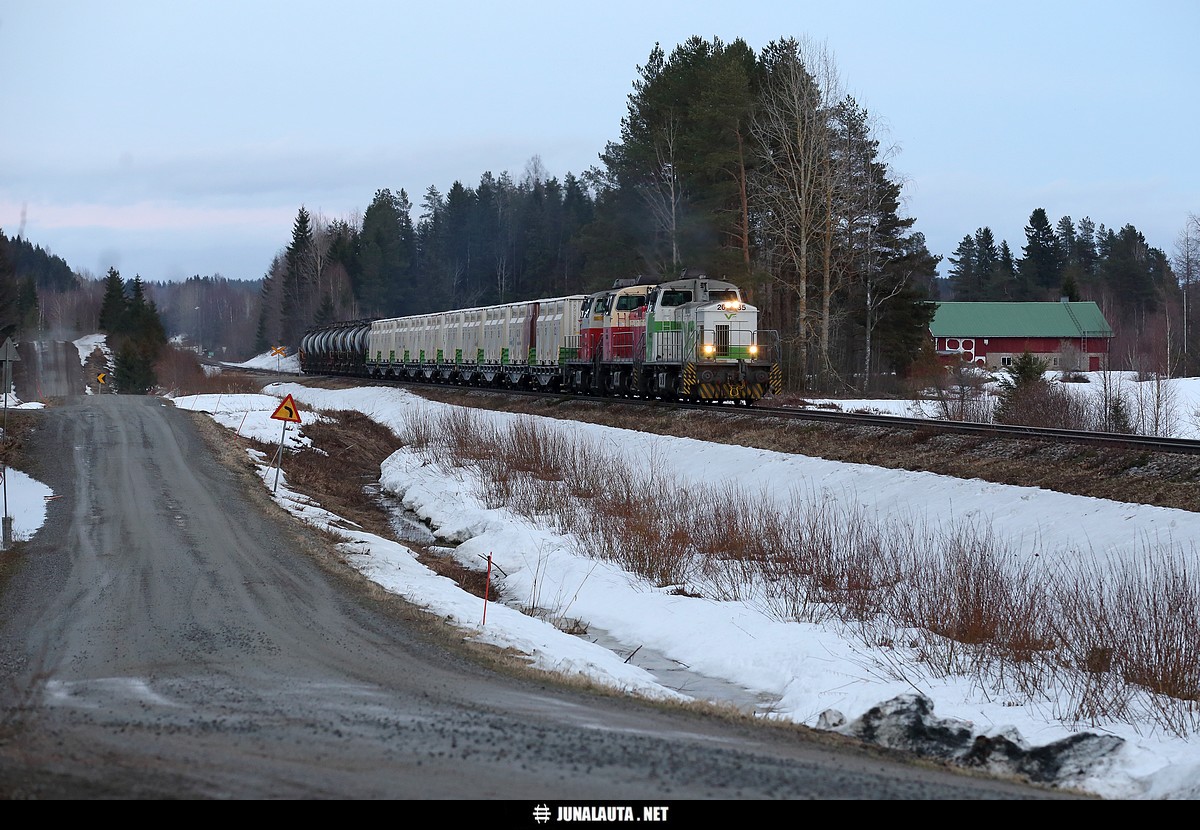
x=1019 y=320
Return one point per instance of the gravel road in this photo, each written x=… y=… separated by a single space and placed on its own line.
x=169 y=633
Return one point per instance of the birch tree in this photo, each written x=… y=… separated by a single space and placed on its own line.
x=1186 y=263
x=793 y=180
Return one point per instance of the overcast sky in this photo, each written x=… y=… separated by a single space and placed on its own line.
x=180 y=138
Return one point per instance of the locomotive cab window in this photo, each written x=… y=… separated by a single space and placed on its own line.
x=629 y=302
x=674 y=298
x=729 y=296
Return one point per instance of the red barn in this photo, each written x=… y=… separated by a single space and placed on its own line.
x=1066 y=335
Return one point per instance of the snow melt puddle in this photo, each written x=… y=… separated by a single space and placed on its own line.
x=406 y=524
x=672 y=674
x=678 y=677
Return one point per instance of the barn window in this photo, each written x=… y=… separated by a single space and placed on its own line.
x=1006 y=361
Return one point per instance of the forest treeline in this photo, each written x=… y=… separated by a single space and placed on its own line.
x=758 y=168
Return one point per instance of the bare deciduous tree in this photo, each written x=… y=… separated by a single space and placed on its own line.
x=794 y=177
x=663 y=191
x=1186 y=263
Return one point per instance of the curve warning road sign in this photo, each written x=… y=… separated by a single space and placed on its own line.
x=287 y=411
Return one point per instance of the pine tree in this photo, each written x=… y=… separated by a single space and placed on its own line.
x=685 y=156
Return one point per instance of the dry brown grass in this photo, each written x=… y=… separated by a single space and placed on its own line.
x=341 y=471
x=1117 y=643
x=1159 y=479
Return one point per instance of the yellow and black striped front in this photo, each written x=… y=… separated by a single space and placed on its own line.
x=688 y=380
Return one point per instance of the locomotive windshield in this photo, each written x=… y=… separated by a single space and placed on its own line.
x=673 y=298
x=729 y=295
x=628 y=302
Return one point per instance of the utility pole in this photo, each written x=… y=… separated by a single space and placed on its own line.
x=8 y=355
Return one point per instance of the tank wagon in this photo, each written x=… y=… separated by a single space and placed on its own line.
x=692 y=338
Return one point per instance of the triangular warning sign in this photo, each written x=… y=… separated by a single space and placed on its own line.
x=287 y=411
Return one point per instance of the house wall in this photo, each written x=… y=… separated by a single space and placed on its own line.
x=996 y=353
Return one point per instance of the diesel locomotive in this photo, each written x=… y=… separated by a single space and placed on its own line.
x=691 y=338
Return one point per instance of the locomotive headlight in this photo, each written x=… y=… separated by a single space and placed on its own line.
x=753 y=350
x=709 y=349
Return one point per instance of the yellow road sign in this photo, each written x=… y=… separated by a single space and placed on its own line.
x=279 y=351
x=287 y=411
x=102 y=377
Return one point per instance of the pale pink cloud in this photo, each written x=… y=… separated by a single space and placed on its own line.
x=143 y=216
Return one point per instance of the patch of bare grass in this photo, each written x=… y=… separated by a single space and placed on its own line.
x=352 y=448
x=1121 y=644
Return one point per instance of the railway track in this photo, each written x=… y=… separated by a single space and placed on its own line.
x=1179 y=446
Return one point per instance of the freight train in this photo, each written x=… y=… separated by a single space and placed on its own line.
x=692 y=338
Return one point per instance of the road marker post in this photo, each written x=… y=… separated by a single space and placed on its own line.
x=487 y=585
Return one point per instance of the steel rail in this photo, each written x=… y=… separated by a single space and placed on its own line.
x=1150 y=443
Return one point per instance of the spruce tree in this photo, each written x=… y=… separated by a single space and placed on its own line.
x=1022 y=389
x=9 y=314
x=299 y=280
x=113 y=306
x=135 y=334
x=964 y=275
x=1041 y=265
x=987 y=258
x=379 y=288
